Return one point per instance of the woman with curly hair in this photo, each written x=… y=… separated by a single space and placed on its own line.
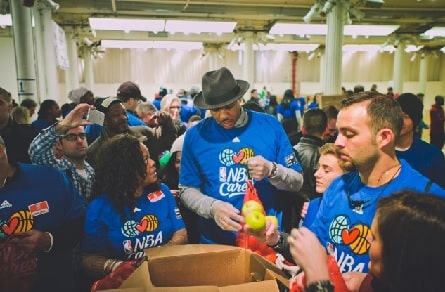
x=129 y=210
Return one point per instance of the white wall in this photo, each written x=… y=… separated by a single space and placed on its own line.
x=154 y=68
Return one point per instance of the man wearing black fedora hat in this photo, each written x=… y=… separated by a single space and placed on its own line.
x=225 y=150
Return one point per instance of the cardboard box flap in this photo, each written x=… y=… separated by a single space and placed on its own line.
x=226 y=267
x=269 y=286
x=187 y=249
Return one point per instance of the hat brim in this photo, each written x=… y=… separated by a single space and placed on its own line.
x=199 y=100
x=143 y=98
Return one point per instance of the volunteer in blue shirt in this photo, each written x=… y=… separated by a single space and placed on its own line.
x=129 y=211
x=221 y=152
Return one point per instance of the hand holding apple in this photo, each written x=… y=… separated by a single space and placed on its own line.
x=256 y=221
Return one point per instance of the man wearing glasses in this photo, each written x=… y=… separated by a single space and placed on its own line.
x=64 y=146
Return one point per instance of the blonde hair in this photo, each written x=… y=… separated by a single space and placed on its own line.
x=167 y=101
x=330 y=148
x=21 y=115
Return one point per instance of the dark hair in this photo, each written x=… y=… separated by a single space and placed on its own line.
x=45 y=107
x=28 y=102
x=119 y=171
x=253 y=106
x=194 y=118
x=288 y=97
x=359 y=88
x=6 y=95
x=273 y=100
x=383 y=111
x=411 y=226
x=169 y=175
x=66 y=108
x=331 y=111
x=315 y=122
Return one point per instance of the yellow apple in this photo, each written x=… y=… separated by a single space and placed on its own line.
x=250 y=206
x=256 y=221
x=274 y=219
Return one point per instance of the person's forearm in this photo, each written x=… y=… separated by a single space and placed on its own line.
x=179 y=237
x=196 y=201
x=98 y=266
x=282 y=247
x=287 y=179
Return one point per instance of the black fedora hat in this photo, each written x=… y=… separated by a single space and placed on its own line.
x=219 y=88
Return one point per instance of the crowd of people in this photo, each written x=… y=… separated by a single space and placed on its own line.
x=353 y=181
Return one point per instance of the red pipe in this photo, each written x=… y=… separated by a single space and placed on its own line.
x=294 y=72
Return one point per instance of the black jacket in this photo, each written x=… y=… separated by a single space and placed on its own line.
x=307 y=151
x=17 y=138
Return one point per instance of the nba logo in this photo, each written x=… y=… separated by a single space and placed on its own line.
x=127 y=247
x=222 y=174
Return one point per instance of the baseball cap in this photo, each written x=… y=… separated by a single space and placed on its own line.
x=102 y=104
x=129 y=89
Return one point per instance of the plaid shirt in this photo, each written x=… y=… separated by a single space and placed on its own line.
x=41 y=152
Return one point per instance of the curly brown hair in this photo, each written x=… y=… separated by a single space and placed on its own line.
x=120 y=171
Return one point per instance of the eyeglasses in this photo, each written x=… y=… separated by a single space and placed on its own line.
x=174 y=107
x=73 y=137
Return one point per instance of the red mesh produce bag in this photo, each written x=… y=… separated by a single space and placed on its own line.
x=249 y=241
x=18 y=268
x=118 y=276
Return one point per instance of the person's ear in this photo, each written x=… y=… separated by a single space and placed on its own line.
x=385 y=137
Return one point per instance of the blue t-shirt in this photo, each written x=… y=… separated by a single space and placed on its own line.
x=157 y=103
x=41 y=198
x=289 y=112
x=38 y=197
x=214 y=161
x=343 y=229
x=156 y=218
x=40 y=124
x=426 y=159
x=134 y=120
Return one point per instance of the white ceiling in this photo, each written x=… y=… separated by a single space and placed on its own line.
x=413 y=17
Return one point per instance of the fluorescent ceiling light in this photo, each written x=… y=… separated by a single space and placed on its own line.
x=277 y=47
x=322 y=29
x=119 y=44
x=369 y=30
x=5 y=20
x=291 y=47
x=298 y=29
x=188 y=26
x=435 y=32
x=154 y=25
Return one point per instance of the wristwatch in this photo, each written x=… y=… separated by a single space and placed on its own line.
x=273 y=172
x=279 y=244
x=320 y=286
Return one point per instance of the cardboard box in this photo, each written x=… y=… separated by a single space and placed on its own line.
x=203 y=267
